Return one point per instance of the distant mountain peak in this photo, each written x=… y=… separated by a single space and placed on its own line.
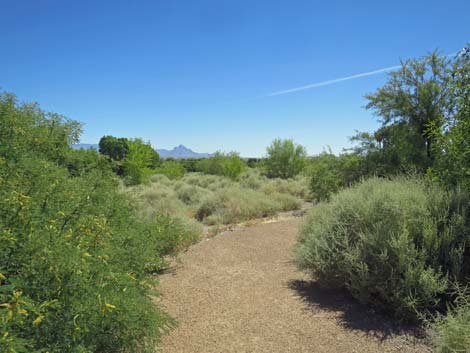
x=181 y=152
x=178 y=152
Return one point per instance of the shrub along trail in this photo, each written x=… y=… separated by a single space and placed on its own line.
x=240 y=292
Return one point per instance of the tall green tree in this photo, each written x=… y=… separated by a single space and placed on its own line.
x=116 y=148
x=142 y=154
x=453 y=140
x=285 y=159
x=418 y=95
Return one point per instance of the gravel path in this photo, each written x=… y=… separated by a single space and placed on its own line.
x=240 y=292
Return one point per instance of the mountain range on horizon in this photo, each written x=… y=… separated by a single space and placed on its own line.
x=178 y=152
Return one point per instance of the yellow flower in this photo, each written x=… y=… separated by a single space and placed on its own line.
x=38 y=320
x=110 y=306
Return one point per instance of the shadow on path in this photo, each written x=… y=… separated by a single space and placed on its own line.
x=351 y=314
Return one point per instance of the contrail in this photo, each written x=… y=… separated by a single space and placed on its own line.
x=330 y=82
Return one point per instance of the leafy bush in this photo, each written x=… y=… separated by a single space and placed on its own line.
x=450 y=333
x=173 y=234
x=285 y=159
x=74 y=259
x=330 y=173
x=134 y=174
x=229 y=165
x=234 y=205
x=171 y=169
x=133 y=159
x=287 y=202
x=192 y=194
x=394 y=244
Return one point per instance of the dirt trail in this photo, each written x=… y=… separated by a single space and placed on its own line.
x=240 y=292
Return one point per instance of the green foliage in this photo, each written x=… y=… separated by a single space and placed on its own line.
x=214 y=199
x=391 y=150
x=394 y=244
x=171 y=169
x=453 y=145
x=233 y=205
x=83 y=161
x=133 y=173
x=133 y=159
x=142 y=154
x=75 y=258
x=114 y=147
x=417 y=95
x=330 y=173
x=25 y=130
x=189 y=164
x=450 y=333
x=285 y=159
x=229 y=165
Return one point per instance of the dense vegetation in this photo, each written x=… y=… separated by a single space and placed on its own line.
x=218 y=200
x=397 y=245
x=402 y=243
x=75 y=259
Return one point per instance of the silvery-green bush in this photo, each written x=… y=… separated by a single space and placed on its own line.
x=394 y=244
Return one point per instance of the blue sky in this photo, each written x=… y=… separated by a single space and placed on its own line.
x=199 y=72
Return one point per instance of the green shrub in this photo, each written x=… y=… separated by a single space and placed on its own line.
x=229 y=165
x=74 y=259
x=287 y=202
x=172 y=170
x=173 y=234
x=285 y=159
x=393 y=244
x=450 y=333
x=199 y=179
x=191 y=194
x=232 y=205
x=156 y=199
x=134 y=174
x=160 y=179
x=252 y=179
x=330 y=173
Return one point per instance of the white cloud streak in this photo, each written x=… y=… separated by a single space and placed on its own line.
x=330 y=82
x=347 y=78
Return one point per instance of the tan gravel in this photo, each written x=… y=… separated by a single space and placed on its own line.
x=240 y=292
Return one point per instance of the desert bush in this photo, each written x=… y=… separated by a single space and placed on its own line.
x=199 y=179
x=134 y=174
x=229 y=165
x=450 y=333
x=175 y=233
x=160 y=179
x=287 y=202
x=171 y=169
x=252 y=179
x=394 y=244
x=156 y=199
x=297 y=187
x=285 y=159
x=330 y=173
x=234 y=205
x=192 y=194
x=74 y=259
